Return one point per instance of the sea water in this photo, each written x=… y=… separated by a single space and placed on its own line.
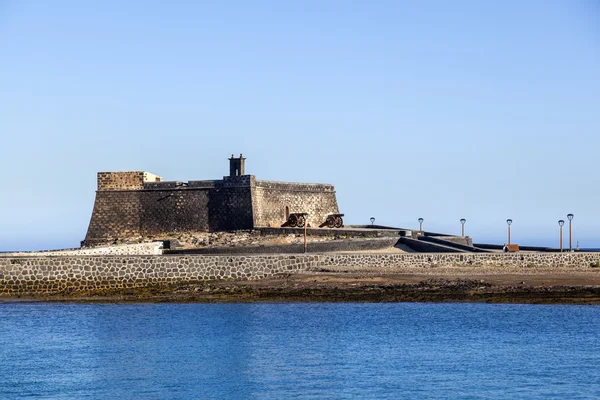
x=308 y=350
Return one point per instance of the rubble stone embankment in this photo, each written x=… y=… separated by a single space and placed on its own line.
x=52 y=274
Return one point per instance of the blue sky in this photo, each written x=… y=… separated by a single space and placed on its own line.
x=434 y=109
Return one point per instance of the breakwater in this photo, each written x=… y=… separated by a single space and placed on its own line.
x=21 y=275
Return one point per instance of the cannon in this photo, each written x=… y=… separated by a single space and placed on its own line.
x=333 y=221
x=295 y=220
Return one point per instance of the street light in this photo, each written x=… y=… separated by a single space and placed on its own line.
x=570 y=217
x=561 y=223
x=372 y=220
x=462 y=222
x=420 y=224
x=508 y=222
x=305 y=224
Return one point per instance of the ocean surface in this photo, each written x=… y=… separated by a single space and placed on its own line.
x=286 y=351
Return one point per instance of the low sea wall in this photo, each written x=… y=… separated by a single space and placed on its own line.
x=138 y=249
x=389 y=262
x=22 y=275
x=313 y=247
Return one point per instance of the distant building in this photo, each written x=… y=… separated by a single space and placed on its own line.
x=137 y=203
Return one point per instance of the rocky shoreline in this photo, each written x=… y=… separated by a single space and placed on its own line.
x=542 y=288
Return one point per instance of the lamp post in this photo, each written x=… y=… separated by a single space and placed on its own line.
x=462 y=222
x=561 y=223
x=372 y=220
x=570 y=217
x=508 y=222
x=420 y=224
x=305 y=243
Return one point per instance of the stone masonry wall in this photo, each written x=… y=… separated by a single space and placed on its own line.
x=159 y=208
x=116 y=214
x=19 y=275
x=131 y=205
x=230 y=203
x=173 y=210
x=385 y=262
x=272 y=198
x=55 y=274
x=131 y=180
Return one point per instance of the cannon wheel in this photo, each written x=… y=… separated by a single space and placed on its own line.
x=330 y=221
x=339 y=222
x=293 y=221
x=300 y=221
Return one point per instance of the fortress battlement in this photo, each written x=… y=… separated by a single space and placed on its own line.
x=130 y=180
x=293 y=186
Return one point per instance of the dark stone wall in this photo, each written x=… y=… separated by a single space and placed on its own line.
x=168 y=207
x=230 y=204
x=452 y=243
x=174 y=210
x=127 y=214
x=428 y=247
x=116 y=214
x=127 y=206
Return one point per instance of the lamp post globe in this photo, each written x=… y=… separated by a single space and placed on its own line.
x=420 y=224
x=509 y=222
x=462 y=222
x=372 y=220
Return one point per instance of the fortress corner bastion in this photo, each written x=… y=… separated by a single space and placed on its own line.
x=140 y=204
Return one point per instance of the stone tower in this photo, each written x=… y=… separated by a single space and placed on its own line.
x=237 y=166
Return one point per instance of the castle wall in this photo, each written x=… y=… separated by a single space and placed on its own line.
x=174 y=210
x=133 y=204
x=118 y=206
x=162 y=208
x=116 y=214
x=230 y=204
x=130 y=180
x=21 y=275
x=272 y=198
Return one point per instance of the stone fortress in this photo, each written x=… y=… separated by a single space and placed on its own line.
x=140 y=204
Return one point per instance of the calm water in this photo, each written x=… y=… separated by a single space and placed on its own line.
x=281 y=351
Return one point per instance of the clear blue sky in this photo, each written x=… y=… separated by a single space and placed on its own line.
x=436 y=109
